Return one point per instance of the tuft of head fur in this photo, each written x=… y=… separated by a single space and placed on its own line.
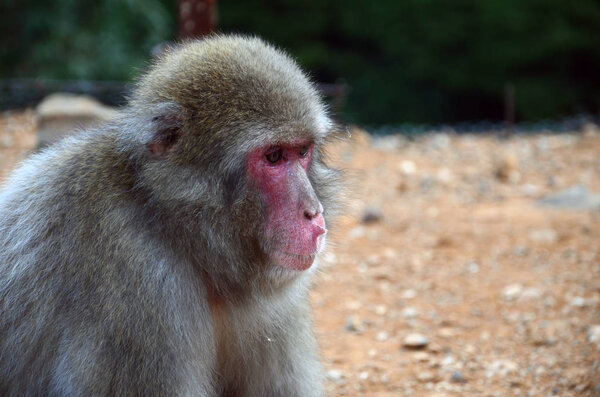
x=235 y=87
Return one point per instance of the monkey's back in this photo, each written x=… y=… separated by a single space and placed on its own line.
x=76 y=292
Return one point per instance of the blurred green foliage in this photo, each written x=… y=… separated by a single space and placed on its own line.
x=404 y=60
x=82 y=39
x=436 y=60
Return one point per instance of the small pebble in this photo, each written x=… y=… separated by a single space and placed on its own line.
x=421 y=356
x=371 y=215
x=407 y=167
x=578 y=301
x=448 y=360
x=593 y=334
x=409 y=312
x=446 y=332
x=354 y=324
x=426 y=376
x=501 y=368
x=415 y=341
x=473 y=267
x=512 y=292
x=335 y=375
x=457 y=377
x=381 y=310
x=580 y=387
x=543 y=235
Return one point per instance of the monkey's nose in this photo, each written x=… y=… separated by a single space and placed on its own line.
x=310 y=214
x=317 y=222
x=313 y=212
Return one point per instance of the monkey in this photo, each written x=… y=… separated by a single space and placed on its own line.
x=170 y=251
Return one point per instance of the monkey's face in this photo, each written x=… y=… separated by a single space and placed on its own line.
x=294 y=228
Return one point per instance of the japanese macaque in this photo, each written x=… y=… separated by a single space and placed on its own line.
x=170 y=251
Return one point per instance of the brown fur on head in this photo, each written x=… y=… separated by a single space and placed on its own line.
x=236 y=88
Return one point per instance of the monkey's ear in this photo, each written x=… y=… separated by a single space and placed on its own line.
x=167 y=128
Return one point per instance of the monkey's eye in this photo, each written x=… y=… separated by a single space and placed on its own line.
x=304 y=150
x=274 y=155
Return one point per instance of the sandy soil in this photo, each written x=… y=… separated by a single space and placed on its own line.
x=444 y=277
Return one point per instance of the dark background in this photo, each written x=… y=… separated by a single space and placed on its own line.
x=423 y=61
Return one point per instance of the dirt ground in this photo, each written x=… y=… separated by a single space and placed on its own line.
x=444 y=276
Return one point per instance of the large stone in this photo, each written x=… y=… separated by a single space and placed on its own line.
x=62 y=114
x=507 y=169
x=576 y=198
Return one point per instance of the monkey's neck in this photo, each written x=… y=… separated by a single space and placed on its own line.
x=258 y=287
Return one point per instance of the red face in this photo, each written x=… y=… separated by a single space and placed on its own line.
x=294 y=228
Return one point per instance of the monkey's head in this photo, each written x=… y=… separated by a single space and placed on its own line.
x=235 y=150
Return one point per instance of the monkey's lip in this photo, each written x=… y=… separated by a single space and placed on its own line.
x=295 y=261
x=297 y=256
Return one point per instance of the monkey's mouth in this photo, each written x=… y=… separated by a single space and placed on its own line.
x=294 y=261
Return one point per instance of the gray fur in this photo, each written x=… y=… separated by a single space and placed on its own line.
x=128 y=273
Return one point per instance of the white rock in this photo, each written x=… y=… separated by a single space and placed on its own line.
x=384 y=378
x=426 y=376
x=530 y=190
x=531 y=293
x=382 y=336
x=543 y=235
x=512 y=292
x=354 y=305
x=60 y=114
x=408 y=167
x=549 y=301
x=473 y=267
x=444 y=175
x=415 y=341
x=421 y=357
x=501 y=368
x=447 y=332
x=593 y=334
x=335 y=375
x=381 y=310
x=447 y=361
x=390 y=253
x=409 y=312
x=578 y=301
x=576 y=197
